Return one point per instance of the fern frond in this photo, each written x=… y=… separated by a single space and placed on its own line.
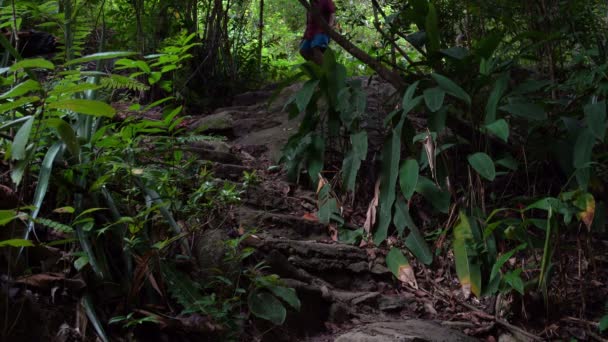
x=116 y=82
x=55 y=225
x=185 y=291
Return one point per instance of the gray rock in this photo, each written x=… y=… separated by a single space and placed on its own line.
x=222 y=121
x=403 y=331
x=393 y=303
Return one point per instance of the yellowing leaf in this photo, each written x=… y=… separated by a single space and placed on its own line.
x=468 y=271
x=586 y=203
x=398 y=264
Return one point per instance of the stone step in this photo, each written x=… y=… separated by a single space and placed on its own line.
x=281 y=225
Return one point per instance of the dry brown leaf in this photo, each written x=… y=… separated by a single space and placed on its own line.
x=333 y=232
x=429 y=148
x=310 y=217
x=45 y=281
x=407 y=276
x=370 y=217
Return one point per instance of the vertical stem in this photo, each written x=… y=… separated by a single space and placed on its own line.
x=260 y=35
x=68 y=34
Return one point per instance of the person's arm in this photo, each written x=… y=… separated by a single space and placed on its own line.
x=332 y=20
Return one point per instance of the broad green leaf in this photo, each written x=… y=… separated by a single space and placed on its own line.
x=5 y=107
x=326 y=209
x=16 y=243
x=44 y=177
x=483 y=164
x=456 y=52
x=468 y=271
x=513 y=278
x=350 y=168
x=408 y=97
x=352 y=161
x=302 y=97
x=350 y=237
x=528 y=111
x=21 y=139
x=497 y=92
x=287 y=294
x=315 y=157
x=67 y=134
x=359 y=143
x=18 y=171
x=266 y=306
x=438 y=198
x=37 y=63
x=451 y=88
x=436 y=121
x=408 y=177
x=100 y=56
x=508 y=161
x=391 y=153
x=21 y=89
x=88 y=107
x=500 y=261
x=400 y=220
x=398 y=264
x=415 y=241
x=433 y=97
x=432 y=29
x=73 y=88
x=499 y=128
x=417 y=245
x=603 y=326
x=595 y=114
x=7 y=216
x=583 y=148
x=81 y=262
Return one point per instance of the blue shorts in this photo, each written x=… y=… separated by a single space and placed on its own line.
x=320 y=40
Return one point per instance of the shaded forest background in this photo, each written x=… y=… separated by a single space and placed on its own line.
x=491 y=162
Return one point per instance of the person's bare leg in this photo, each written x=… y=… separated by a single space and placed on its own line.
x=317 y=55
x=307 y=54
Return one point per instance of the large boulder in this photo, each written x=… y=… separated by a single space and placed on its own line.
x=403 y=331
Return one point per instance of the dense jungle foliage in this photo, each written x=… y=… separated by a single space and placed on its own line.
x=494 y=160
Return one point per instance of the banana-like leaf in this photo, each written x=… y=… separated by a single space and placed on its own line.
x=88 y=107
x=21 y=89
x=67 y=134
x=43 y=183
x=391 y=154
x=21 y=139
x=467 y=268
x=100 y=56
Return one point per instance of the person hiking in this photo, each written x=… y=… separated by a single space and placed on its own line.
x=315 y=39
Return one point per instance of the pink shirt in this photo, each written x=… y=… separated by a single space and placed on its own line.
x=313 y=27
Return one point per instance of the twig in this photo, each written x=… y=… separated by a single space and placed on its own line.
x=499 y=321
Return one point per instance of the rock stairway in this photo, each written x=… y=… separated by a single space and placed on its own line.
x=345 y=288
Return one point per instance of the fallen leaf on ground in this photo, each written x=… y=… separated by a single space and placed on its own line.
x=370 y=217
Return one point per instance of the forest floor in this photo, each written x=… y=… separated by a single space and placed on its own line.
x=347 y=292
